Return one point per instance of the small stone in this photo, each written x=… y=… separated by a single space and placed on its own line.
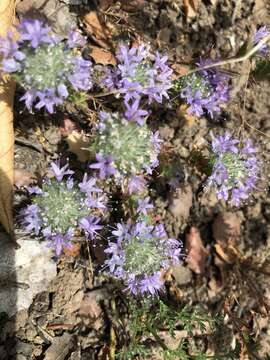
x=181 y=274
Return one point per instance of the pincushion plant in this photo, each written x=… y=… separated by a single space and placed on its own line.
x=139 y=74
x=124 y=149
x=46 y=67
x=235 y=168
x=139 y=255
x=60 y=207
x=204 y=90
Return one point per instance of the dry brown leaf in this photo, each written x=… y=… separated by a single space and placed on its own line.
x=132 y=5
x=78 y=144
x=191 y=8
x=97 y=29
x=7 y=12
x=226 y=228
x=196 y=251
x=23 y=177
x=101 y=56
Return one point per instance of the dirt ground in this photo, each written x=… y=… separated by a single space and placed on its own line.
x=73 y=317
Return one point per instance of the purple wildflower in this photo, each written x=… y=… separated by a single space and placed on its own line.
x=260 y=34
x=235 y=169
x=150 y=284
x=89 y=185
x=29 y=97
x=47 y=68
x=80 y=78
x=75 y=39
x=35 y=32
x=205 y=90
x=60 y=172
x=139 y=254
x=136 y=184
x=137 y=76
x=134 y=113
x=224 y=143
x=144 y=205
x=31 y=219
x=90 y=225
x=104 y=165
x=60 y=241
x=62 y=206
x=48 y=99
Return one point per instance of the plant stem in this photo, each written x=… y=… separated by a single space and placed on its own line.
x=232 y=60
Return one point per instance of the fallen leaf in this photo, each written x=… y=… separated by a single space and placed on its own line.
x=132 y=5
x=196 y=251
x=191 y=8
x=180 y=202
x=104 y=4
x=7 y=88
x=60 y=347
x=97 y=29
x=102 y=56
x=78 y=144
x=23 y=177
x=226 y=228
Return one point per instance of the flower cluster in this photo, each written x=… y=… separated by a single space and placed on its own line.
x=260 y=34
x=124 y=149
x=204 y=90
x=46 y=67
x=235 y=170
x=139 y=255
x=139 y=74
x=61 y=206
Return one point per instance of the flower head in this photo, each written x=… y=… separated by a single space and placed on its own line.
x=235 y=169
x=260 y=34
x=140 y=74
x=46 y=67
x=122 y=148
x=60 y=207
x=140 y=253
x=204 y=90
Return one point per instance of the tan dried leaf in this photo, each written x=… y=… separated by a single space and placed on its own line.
x=78 y=144
x=23 y=177
x=7 y=88
x=102 y=56
x=97 y=29
x=226 y=228
x=191 y=8
x=196 y=251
